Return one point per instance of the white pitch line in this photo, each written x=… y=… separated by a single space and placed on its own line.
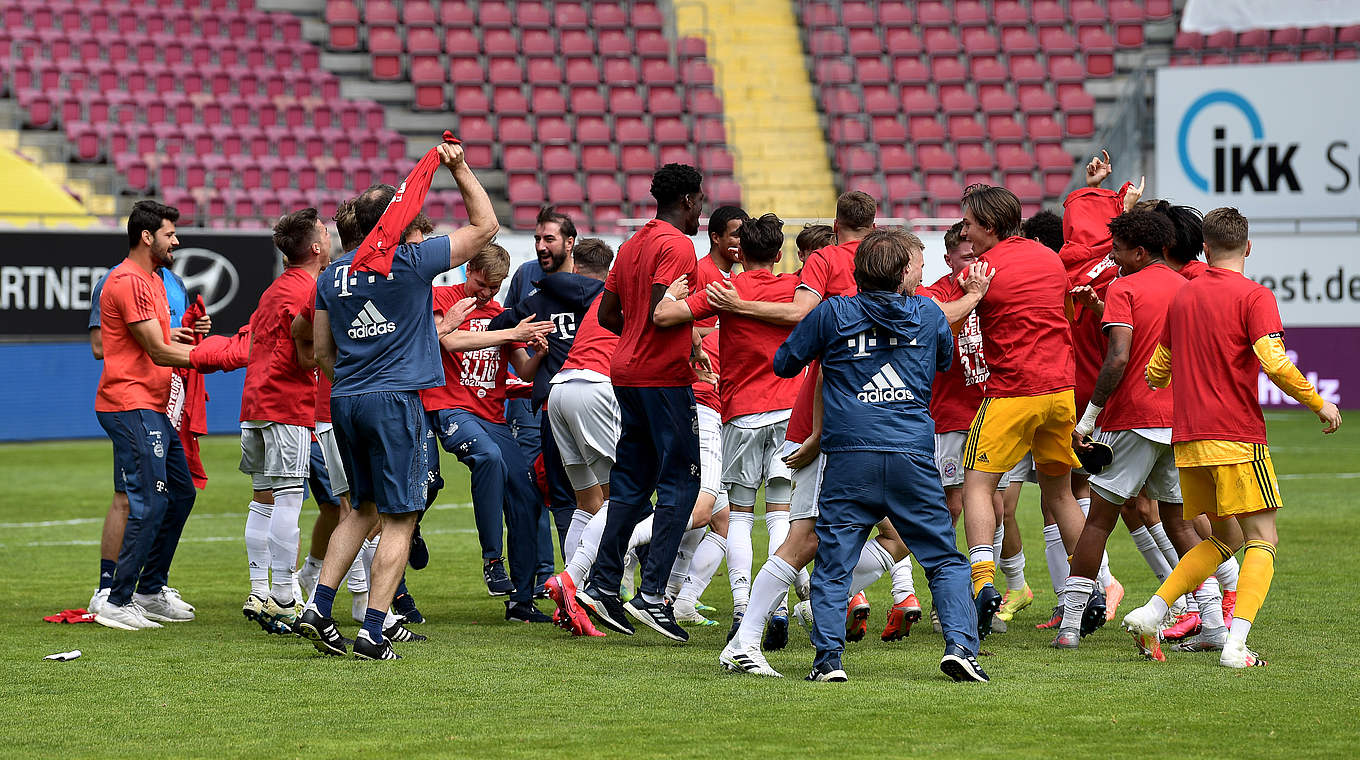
x=201 y=539
x=192 y=516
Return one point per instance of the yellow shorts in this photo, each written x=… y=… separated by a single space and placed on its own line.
x=1005 y=429
x=1222 y=490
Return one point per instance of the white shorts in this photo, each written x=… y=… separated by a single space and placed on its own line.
x=275 y=455
x=710 y=450
x=807 y=486
x=949 y=460
x=1023 y=472
x=1138 y=462
x=752 y=456
x=330 y=453
x=585 y=423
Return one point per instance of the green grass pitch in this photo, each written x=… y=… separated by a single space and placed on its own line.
x=219 y=687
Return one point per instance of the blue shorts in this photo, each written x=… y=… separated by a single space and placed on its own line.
x=320 y=480
x=382 y=441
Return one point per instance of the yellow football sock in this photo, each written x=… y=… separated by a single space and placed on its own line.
x=1253 y=582
x=984 y=573
x=1197 y=564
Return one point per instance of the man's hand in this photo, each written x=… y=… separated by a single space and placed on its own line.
x=1330 y=416
x=203 y=325
x=699 y=358
x=977 y=278
x=723 y=296
x=806 y=453
x=450 y=155
x=528 y=330
x=1147 y=378
x=537 y=343
x=456 y=315
x=182 y=335
x=1086 y=296
x=1134 y=194
x=1098 y=169
x=1079 y=442
x=679 y=290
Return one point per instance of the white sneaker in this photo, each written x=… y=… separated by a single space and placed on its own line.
x=737 y=659
x=98 y=600
x=1236 y=655
x=141 y=611
x=358 y=606
x=802 y=612
x=1205 y=641
x=157 y=607
x=172 y=596
x=125 y=618
x=1146 y=627
x=686 y=614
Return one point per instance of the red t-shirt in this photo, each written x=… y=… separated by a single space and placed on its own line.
x=828 y=272
x=749 y=384
x=1088 y=340
x=956 y=393
x=1193 y=269
x=1086 y=230
x=276 y=388
x=649 y=356
x=1028 y=342
x=706 y=394
x=323 y=383
x=130 y=379
x=1214 y=321
x=1140 y=302
x=593 y=345
x=707 y=272
x=473 y=380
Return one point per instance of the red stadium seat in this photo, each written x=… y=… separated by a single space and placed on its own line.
x=1099 y=48
x=710 y=131
x=895 y=15
x=645 y=16
x=948 y=71
x=499 y=42
x=625 y=101
x=1047 y=14
x=552 y=130
x=670 y=131
x=342 y=21
x=1003 y=129
x=911 y=71
x=569 y=16
x=935 y=160
x=532 y=15
x=895 y=159
x=1018 y=40
x=888 y=129
x=858 y=15
x=848 y=131
x=1079 y=109
x=933 y=14
x=919 y=100
x=941 y=42
x=632 y=131
x=559 y=160
x=599 y=159
x=1127 y=18
x=608 y=16
x=900 y=42
x=856 y=159
x=543 y=71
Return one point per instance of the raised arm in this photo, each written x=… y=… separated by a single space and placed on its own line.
x=482 y=226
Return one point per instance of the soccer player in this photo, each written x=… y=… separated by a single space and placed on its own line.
x=812 y=237
x=140 y=347
x=382 y=350
x=467 y=414
x=880 y=351
x=658 y=449
x=1028 y=402
x=1221 y=330
x=278 y=412
x=755 y=403
x=723 y=253
x=1133 y=421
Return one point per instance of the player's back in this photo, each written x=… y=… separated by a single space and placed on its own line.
x=1213 y=323
x=749 y=385
x=648 y=355
x=593 y=346
x=830 y=271
x=1028 y=342
x=276 y=388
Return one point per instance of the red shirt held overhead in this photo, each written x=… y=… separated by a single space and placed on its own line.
x=1028 y=340
x=473 y=380
x=1140 y=302
x=1213 y=323
x=276 y=388
x=593 y=346
x=130 y=379
x=649 y=356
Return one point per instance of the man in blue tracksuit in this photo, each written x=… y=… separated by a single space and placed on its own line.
x=880 y=351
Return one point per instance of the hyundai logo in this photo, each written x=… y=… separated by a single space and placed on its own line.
x=209 y=273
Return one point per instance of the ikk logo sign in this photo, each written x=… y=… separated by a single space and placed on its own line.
x=1271 y=139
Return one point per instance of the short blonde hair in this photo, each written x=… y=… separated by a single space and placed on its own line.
x=493 y=261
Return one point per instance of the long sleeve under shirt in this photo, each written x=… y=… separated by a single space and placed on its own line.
x=880 y=352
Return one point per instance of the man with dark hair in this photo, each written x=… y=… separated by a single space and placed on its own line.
x=380 y=351
x=880 y=350
x=1045 y=227
x=177 y=296
x=1218 y=432
x=812 y=237
x=140 y=347
x=1028 y=403
x=278 y=413
x=658 y=448
x=724 y=245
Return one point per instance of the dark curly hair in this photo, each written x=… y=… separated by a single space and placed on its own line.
x=762 y=238
x=294 y=232
x=673 y=182
x=1144 y=229
x=1046 y=227
x=1188 y=223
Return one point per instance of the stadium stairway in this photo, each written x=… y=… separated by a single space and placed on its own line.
x=771 y=117
x=42 y=189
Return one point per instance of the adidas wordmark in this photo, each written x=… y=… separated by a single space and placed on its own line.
x=885 y=386
x=370 y=323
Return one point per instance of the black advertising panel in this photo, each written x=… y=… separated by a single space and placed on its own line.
x=46 y=276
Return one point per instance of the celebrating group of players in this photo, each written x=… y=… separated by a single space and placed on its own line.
x=660 y=392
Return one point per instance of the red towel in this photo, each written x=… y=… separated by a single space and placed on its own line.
x=194 y=421
x=71 y=616
x=375 y=253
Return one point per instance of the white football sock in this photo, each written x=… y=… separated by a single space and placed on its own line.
x=284 y=537
x=777 y=524
x=689 y=542
x=767 y=593
x=366 y=552
x=357 y=577
x=803 y=586
x=997 y=537
x=1210 y=600
x=257 y=546
x=873 y=562
x=1076 y=593
x=712 y=549
x=1056 y=556
x=587 y=547
x=1227 y=574
x=1237 y=634
x=739 y=553
x=579 y=519
x=642 y=533
x=903 y=585
x=1014 y=570
x=1147 y=546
